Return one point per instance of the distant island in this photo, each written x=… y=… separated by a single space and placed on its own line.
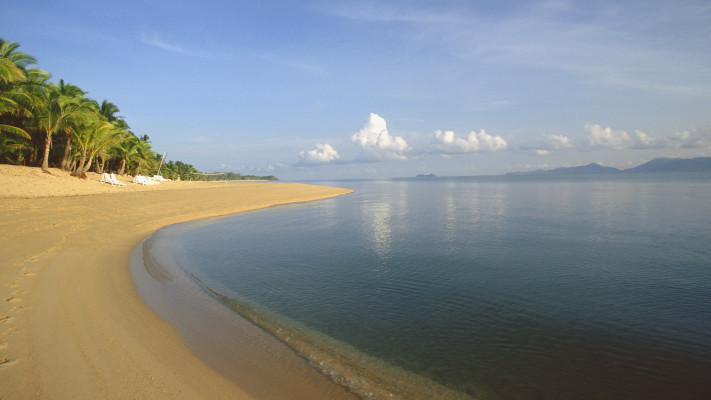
x=698 y=164
x=423 y=176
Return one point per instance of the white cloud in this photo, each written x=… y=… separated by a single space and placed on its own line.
x=377 y=143
x=323 y=153
x=606 y=138
x=447 y=143
x=692 y=139
x=643 y=141
x=555 y=142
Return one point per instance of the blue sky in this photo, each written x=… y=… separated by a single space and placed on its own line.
x=335 y=89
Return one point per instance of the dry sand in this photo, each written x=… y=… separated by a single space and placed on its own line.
x=71 y=322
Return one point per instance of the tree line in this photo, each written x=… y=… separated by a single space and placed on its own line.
x=232 y=176
x=55 y=124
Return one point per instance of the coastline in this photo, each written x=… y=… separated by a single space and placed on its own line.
x=72 y=324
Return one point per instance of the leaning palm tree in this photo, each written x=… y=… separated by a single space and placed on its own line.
x=143 y=157
x=69 y=90
x=109 y=110
x=13 y=71
x=107 y=148
x=126 y=150
x=95 y=138
x=57 y=112
x=13 y=63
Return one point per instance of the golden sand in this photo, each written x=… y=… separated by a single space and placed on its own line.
x=71 y=322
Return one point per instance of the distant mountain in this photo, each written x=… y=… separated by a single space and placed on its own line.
x=591 y=168
x=697 y=164
x=423 y=176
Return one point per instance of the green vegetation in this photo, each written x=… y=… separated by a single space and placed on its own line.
x=231 y=176
x=46 y=124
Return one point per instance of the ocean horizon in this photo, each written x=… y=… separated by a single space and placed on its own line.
x=586 y=287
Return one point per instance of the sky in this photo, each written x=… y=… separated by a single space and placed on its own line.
x=329 y=89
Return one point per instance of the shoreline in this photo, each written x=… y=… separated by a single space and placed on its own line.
x=72 y=324
x=218 y=335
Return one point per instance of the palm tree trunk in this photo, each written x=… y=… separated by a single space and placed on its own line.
x=67 y=148
x=45 y=159
x=80 y=166
x=123 y=166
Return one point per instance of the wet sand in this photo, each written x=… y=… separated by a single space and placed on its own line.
x=72 y=324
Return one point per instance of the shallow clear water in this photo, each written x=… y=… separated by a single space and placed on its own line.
x=591 y=288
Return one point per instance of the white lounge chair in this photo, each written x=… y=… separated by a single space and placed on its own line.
x=144 y=180
x=105 y=178
x=115 y=180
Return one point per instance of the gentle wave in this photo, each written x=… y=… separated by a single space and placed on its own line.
x=367 y=376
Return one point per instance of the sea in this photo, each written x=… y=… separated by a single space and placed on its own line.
x=510 y=287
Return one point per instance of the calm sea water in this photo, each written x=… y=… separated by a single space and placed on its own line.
x=594 y=288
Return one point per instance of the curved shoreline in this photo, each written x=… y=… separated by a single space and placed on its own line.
x=72 y=324
x=229 y=343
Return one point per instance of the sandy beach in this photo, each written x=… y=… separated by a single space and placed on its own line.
x=72 y=324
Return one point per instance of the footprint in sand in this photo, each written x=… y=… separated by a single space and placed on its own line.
x=4 y=362
x=5 y=318
x=12 y=300
x=28 y=274
x=11 y=285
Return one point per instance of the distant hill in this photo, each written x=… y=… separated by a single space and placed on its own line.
x=591 y=168
x=698 y=164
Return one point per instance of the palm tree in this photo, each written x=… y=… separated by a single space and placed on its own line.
x=125 y=151
x=57 y=112
x=143 y=156
x=69 y=90
x=13 y=70
x=33 y=111
x=13 y=149
x=109 y=110
x=13 y=63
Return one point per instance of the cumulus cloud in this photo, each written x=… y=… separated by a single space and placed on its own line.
x=446 y=142
x=323 y=153
x=558 y=142
x=644 y=141
x=377 y=143
x=692 y=139
x=608 y=138
x=552 y=143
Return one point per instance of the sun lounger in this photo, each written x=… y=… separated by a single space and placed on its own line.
x=111 y=178
x=140 y=180
x=159 y=178
x=144 y=180
x=105 y=178
x=115 y=180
